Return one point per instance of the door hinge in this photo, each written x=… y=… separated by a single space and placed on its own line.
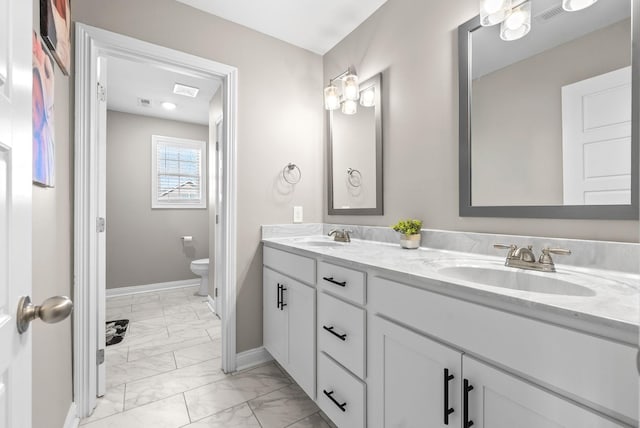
x=102 y=93
x=100 y=356
x=101 y=224
x=217 y=146
x=216 y=292
x=217 y=219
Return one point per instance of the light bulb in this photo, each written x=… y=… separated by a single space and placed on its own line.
x=368 y=97
x=168 y=106
x=574 y=5
x=517 y=24
x=331 y=98
x=349 y=107
x=350 y=88
x=493 y=12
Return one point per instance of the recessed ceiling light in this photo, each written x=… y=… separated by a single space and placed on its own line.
x=168 y=106
x=187 y=91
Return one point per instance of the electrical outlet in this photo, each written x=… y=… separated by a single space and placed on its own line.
x=297 y=214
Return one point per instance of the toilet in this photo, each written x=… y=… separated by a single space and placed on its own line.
x=201 y=268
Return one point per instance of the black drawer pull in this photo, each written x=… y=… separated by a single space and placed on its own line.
x=279 y=298
x=282 y=303
x=342 y=337
x=333 y=281
x=330 y=395
x=447 y=410
x=465 y=409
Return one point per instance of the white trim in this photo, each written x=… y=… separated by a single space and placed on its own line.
x=146 y=288
x=211 y=304
x=91 y=44
x=72 y=420
x=252 y=358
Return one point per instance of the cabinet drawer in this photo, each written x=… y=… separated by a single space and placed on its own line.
x=341 y=332
x=343 y=282
x=340 y=394
x=293 y=265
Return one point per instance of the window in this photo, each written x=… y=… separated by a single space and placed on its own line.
x=178 y=178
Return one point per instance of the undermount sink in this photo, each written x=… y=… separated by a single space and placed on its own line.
x=494 y=276
x=323 y=243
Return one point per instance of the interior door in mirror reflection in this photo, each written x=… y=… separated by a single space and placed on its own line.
x=596 y=140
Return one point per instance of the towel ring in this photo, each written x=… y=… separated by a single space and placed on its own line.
x=354 y=177
x=290 y=175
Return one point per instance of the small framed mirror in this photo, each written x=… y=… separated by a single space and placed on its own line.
x=355 y=155
x=549 y=122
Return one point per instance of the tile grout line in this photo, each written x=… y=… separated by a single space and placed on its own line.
x=186 y=406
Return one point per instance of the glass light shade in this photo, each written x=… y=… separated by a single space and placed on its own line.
x=368 y=97
x=350 y=87
x=573 y=5
x=493 y=12
x=517 y=24
x=349 y=107
x=331 y=98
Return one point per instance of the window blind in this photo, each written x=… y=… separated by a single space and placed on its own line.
x=179 y=173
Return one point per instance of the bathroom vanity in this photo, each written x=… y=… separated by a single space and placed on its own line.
x=448 y=336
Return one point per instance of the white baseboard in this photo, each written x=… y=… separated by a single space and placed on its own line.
x=72 y=420
x=252 y=357
x=123 y=291
x=212 y=304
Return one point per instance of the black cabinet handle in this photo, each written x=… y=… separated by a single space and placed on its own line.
x=278 y=298
x=467 y=388
x=330 y=395
x=282 y=303
x=447 y=410
x=342 y=337
x=333 y=281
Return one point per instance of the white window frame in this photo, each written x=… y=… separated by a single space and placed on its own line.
x=178 y=204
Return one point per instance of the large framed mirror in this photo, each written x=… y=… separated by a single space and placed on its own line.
x=355 y=155
x=549 y=123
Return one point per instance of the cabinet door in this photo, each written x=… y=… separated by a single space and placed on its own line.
x=407 y=379
x=275 y=325
x=500 y=400
x=301 y=306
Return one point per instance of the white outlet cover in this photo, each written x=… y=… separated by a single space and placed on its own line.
x=297 y=214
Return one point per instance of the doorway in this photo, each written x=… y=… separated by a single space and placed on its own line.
x=94 y=48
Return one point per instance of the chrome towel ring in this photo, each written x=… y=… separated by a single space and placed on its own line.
x=354 y=177
x=291 y=173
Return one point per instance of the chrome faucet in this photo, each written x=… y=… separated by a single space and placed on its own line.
x=341 y=235
x=524 y=258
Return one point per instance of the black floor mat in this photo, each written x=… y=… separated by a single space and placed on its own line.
x=116 y=331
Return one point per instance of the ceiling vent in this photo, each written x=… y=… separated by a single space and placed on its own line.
x=549 y=14
x=143 y=102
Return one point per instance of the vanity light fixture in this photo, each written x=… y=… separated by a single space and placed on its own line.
x=493 y=12
x=574 y=5
x=168 y=106
x=517 y=24
x=346 y=100
x=368 y=97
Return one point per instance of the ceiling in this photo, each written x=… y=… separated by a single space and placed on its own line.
x=548 y=30
x=127 y=81
x=316 y=25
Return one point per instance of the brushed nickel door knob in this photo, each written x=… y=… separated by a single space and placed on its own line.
x=52 y=310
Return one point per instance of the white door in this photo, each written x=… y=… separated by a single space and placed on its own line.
x=275 y=324
x=15 y=208
x=300 y=301
x=101 y=236
x=596 y=140
x=409 y=387
x=499 y=400
x=218 y=280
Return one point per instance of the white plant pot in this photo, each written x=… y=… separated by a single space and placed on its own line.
x=410 y=242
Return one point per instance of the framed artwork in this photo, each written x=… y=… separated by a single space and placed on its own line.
x=55 y=29
x=43 y=123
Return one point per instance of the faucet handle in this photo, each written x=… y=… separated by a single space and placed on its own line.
x=545 y=258
x=511 y=247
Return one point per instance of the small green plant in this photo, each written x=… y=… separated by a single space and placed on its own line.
x=408 y=226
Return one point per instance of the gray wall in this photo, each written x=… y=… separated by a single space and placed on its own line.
x=143 y=244
x=414 y=44
x=525 y=99
x=279 y=121
x=53 y=266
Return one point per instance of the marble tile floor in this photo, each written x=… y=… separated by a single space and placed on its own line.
x=166 y=373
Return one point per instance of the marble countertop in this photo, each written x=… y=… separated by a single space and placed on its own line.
x=607 y=305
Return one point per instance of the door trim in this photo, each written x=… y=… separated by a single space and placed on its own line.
x=91 y=43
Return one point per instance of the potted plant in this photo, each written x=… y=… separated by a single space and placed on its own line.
x=410 y=230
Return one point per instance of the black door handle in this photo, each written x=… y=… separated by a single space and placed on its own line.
x=467 y=388
x=447 y=410
x=333 y=281
x=342 y=337
x=278 y=296
x=282 y=303
x=330 y=395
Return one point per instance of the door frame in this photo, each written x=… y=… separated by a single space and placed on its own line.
x=92 y=43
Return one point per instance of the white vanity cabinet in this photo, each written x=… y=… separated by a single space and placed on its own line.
x=289 y=316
